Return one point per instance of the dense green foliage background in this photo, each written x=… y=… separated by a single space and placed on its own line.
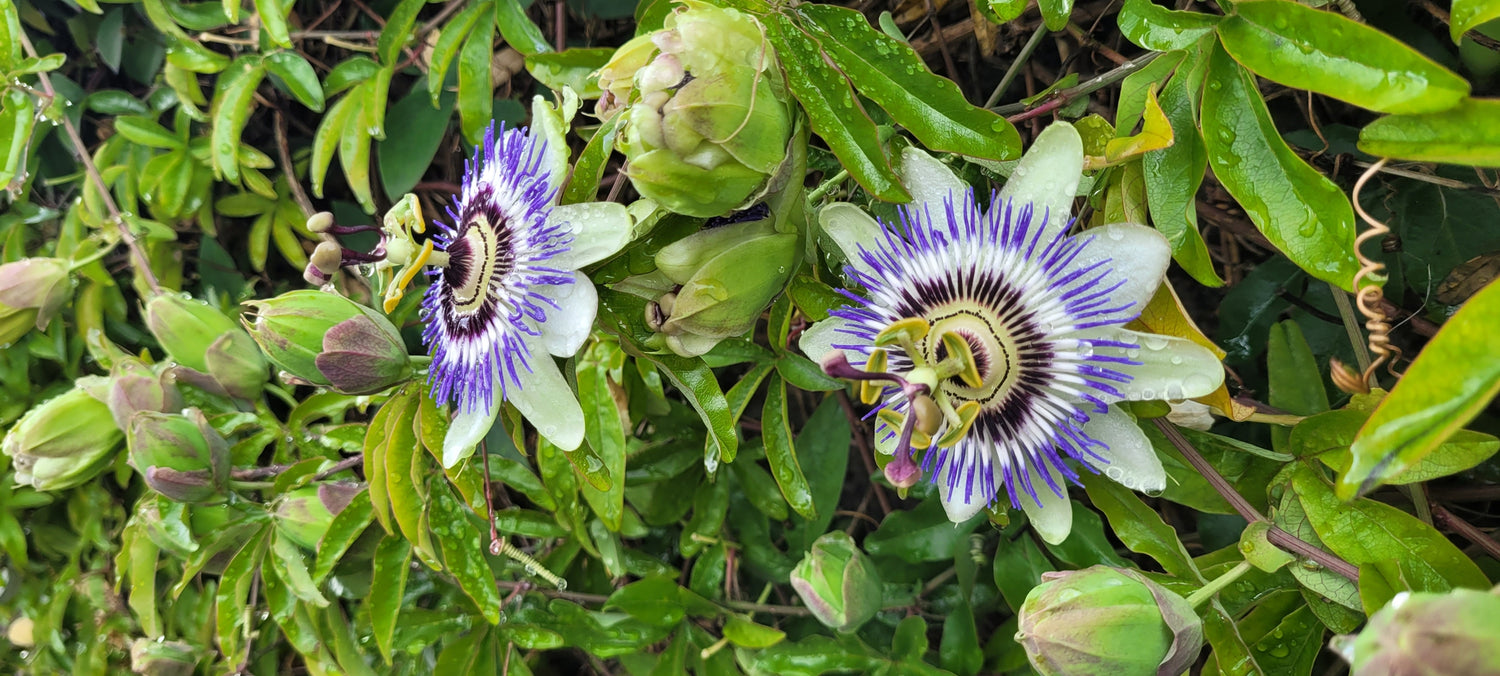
x=182 y=146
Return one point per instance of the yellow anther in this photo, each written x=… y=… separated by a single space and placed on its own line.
x=869 y=390
x=961 y=357
x=397 y=289
x=959 y=424
x=904 y=331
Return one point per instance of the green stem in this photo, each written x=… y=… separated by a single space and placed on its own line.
x=1351 y=326
x=1015 y=66
x=101 y=253
x=250 y=485
x=1283 y=419
x=828 y=186
x=1217 y=584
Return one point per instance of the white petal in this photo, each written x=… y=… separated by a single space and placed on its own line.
x=1138 y=255
x=547 y=401
x=850 y=228
x=929 y=181
x=1051 y=514
x=818 y=340
x=569 y=325
x=466 y=431
x=550 y=125
x=1132 y=462
x=962 y=504
x=599 y=230
x=1048 y=175
x=1169 y=368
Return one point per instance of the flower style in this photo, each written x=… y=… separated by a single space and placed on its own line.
x=509 y=296
x=995 y=341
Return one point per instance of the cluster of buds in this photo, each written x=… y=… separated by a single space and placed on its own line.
x=324 y=339
x=180 y=455
x=1447 y=634
x=708 y=118
x=64 y=441
x=1102 y=621
x=304 y=515
x=31 y=293
x=395 y=260
x=209 y=350
x=721 y=279
x=838 y=583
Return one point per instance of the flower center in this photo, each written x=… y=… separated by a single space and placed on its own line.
x=995 y=354
x=479 y=254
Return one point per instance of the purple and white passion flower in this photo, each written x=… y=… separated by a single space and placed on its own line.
x=508 y=296
x=994 y=343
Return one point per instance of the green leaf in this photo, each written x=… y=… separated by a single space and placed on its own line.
x=776 y=432
x=832 y=110
x=654 y=600
x=959 y=650
x=10 y=31
x=376 y=438
x=760 y=489
x=892 y=75
x=583 y=185
x=291 y=568
x=1323 y=52
x=919 y=535
x=1466 y=15
x=387 y=588
x=17 y=120
x=1055 y=13
x=1151 y=26
x=463 y=555
x=518 y=30
x=403 y=157
x=1299 y=210
x=476 y=93
x=140 y=556
x=604 y=432
x=747 y=634
x=1468 y=134
x=1291 y=516
x=801 y=373
x=298 y=76
x=1370 y=532
x=1295 y=382
x=697 y=382
x=446 y=48
x=823 y=445
x=1173 y=174
x=345 y=528
x=272 y=16
x=570 y=67
x=1019 y=565
x=527 y=523
x=710 y=505
x=354 y=147
x=1451 y=380
x=352 y=71
x=397 y=31
x=233 y=592
x=405 y=471
x=233 y=99
x=1139 y=527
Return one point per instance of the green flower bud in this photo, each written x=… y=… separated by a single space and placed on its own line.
x=729 y=274
x=134 y=387
x=62 y=442
x=162 y=658
x=1428 y=634
x=180 y=455
x=1107 y=622
x=32 y=290
x=304 y=515
x=186 y=328
x=329 y=340
x=838 y=583
x=708 y=118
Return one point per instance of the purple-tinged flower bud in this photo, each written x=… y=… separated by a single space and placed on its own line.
x=180 y=455
x=329 y=340
x=235 y=363
x=838 y=583
x=1428 y=634
x=62 y=442
x=162 y=658
x=1103 y=621
x=303 y=515
x=134 y=387
x=186 y=328
x=32 y=290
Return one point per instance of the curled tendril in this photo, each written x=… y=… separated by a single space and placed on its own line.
x=1368 y=296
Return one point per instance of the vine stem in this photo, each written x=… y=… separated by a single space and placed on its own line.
x=1015 y=66
x=1248 y=512
x=1018 y=111
x=142 y=264
x=1214 y=586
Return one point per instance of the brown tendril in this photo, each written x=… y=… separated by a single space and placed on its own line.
x=1368 y=297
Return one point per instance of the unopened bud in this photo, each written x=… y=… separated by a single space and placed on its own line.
x=32 y=290
x=62 y=442
x=320 y=222
x=236 y=364
x=186 y=327
x=323 y=263
x=328 y=340
x=134 y=387
x=1446 y=634
x=1101 y=621
x=162 y=658
x=180 y=455
x=838 y=583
